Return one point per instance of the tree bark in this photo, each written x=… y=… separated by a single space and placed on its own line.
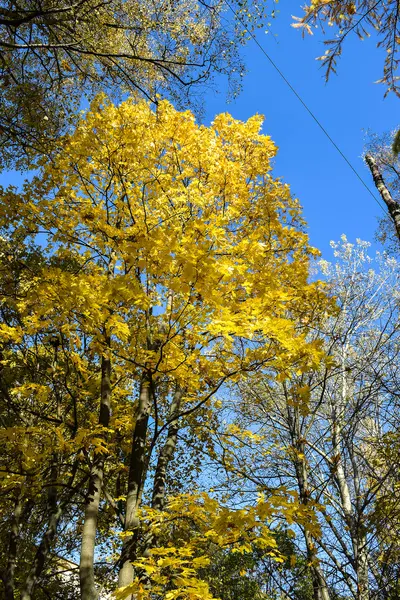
x=165 y=456
x=167 y=452
x=135 y=482
x=362 y=569
x=351 y=514
x=41 y=555
x=392 y=205
x=55 y=511
x=320 y=589
x=86 y=564
x=9 y=584
x=360 y=539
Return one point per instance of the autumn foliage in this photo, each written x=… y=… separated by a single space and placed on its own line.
x=147 y=269
x=193 y=404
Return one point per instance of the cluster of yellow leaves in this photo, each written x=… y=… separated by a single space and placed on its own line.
x=193 y=526
x=177 y=232
x=25 y=450
x=171 y=250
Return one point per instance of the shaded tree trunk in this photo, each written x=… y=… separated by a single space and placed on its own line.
x=55 y=511
x=41 y=555
x=352 y=515
x=164 y=458
x=9 y=584
x=135 y=482
x=320 y=589
x=362 y=569
x=86 y=564
x=167 y=452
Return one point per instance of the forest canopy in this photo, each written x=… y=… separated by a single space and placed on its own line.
x=57 y=53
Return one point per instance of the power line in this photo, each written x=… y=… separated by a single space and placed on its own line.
x=318 y=122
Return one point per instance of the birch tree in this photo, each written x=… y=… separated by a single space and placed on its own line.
x=383 y=164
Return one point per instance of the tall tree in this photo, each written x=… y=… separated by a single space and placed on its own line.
x=189 y=258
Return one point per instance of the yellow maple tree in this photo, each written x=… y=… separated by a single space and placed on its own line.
x=176 y=265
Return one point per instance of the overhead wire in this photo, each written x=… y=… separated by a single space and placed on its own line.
x=310 y=112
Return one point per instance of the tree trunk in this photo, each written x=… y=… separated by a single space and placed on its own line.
x=9 y=584
x=167 y=452
x=164 y=458
x=42 y=552
x=351 y=513
x=135 y=482
x=86 y=565
x=392 y=205
x=362 y=569
x=41 y=555
x=360 y=538
x=320 y=589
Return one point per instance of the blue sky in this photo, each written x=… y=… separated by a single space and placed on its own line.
x=333 y=199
